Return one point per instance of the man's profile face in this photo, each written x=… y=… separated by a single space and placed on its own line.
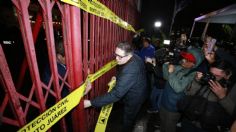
x=121 y=56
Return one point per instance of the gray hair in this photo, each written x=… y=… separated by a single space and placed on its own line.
x=126 y=47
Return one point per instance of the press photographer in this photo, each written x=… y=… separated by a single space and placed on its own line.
x=209 y=106
x=178 y=78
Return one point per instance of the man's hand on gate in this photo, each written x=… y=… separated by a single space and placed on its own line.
x=88 y=87
x=87 y=103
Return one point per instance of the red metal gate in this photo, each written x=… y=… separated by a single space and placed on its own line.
x=89 y=43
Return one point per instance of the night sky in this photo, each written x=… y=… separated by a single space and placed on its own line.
x=162 y=10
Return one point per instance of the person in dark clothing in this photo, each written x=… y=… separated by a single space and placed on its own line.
x=215 y=54
x=148 y=50
x=178 y=78
x=61 y=68
x=219 y=91
x=130 y=85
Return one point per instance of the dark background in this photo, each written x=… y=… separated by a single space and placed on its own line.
x=162 y=10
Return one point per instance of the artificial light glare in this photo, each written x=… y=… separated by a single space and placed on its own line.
x=157 y=24
x=166 y=42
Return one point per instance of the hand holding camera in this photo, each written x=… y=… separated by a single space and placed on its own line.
x=217 y=88
x=171 y=68
x=207 y=77
x=199 y=75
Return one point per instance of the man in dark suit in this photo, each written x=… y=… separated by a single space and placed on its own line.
x=130 y=85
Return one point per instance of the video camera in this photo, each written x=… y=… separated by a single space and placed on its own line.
x=171 y=50
x=169 y=53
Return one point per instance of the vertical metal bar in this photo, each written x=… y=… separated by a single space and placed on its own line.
x=67 y=41
x=92 y=43
x=96 y=39
x=24 y=65
x=23 y=17
x=92 y=63
x=97 y=57
x=100 y=60
x=101 y=88
x=97 y=53
x=117 y=28
x=75 y=17
x=47 y=15
x=9 y=88
x=126 y=13
x=205 y=30
x=105 y=47
x=85 y=50
x=66 y=25
x=110 y=43
x=85 y=43
x=111 y=40
x=191 y=33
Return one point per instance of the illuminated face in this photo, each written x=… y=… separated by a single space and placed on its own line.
x=145 y=43
x=218 y=73
x=183 y=37
x=187 y=64
x=208 y=39
x=121 y=56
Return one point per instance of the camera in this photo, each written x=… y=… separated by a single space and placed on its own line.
x=169 y=53
x=171 y=50
x=207 y=77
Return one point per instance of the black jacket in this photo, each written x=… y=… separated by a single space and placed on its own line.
x=130 y=85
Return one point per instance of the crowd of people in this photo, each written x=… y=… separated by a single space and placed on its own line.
x=195 y=94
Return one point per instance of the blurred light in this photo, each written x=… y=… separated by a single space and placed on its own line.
x=157 y=24
x=166 y=42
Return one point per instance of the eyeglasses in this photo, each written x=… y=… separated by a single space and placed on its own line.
x=119 y=56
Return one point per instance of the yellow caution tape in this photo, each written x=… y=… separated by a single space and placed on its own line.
x=105 y=112
x=48 y=118
x=140 y=30
x=96 y=8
